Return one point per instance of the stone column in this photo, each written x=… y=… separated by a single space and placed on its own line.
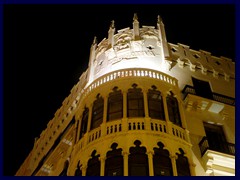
x=103 y=125
x=102 y=167
x=84 y=170
x=174 y=166
x=150 y=163
x=125 y=164
x=146 y=111
x=89 y=124
x=145 y=99
x=124 y=119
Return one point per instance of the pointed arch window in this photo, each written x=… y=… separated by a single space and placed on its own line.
x=135 y=103
x=78 y=171
x=93 y=165
x=155 y=104
x=161 y=161
x=114 y=162
x=115 y=105
x=84 y=122
x=65 y=169
x=97 y=112
x=182 y=164
x=138 y=160
x=173 y=109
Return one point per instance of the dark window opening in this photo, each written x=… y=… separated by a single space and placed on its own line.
x=173 y=110
x=97 y=112
x=65 y=168
x=93 y=165
x=182 y=164
x=216 y=138
x=161 y=161
x=202 y=88
x=114 y=162
x=115 y=105
x=138 y=160
x=155 y=104
x=135 y=103
x=84 y=122
x=78 y=171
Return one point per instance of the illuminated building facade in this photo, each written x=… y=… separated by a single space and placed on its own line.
x=144 y=107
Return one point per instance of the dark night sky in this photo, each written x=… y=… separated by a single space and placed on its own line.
x=46 y=49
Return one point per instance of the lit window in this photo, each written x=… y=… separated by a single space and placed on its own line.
x=97 y=112
x=84 y=122
x=115 y=105
x=155 y=104
x=173 y=110
x=135 y=102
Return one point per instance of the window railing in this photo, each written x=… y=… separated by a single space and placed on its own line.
x=216 y=97
x=204 y=146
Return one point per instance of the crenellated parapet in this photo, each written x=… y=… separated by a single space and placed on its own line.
x=202 y=60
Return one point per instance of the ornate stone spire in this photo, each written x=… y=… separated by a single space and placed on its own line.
x=94 y=40
x=159 y=19
x=135 y=27
x=111 y=32
x=135 y=18
x=112 y=24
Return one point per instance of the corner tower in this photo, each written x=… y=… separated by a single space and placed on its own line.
x=135 y=112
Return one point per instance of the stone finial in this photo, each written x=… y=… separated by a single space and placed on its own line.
x=95 y=40
x=135 y=17
x=112 y=24
x=159 y=19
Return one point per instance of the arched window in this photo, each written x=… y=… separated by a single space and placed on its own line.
x=78 y=171
x=155 y=104
x=114 y=162
x=93 y=166
x=135 y=102
x=84 y=122
x=138 y=161
x=115 y=105
x=182 y=164
x=173 y=110
x=161 y=161
x=97 y=112
x=65 y=169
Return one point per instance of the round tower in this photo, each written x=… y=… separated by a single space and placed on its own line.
x=130 y=117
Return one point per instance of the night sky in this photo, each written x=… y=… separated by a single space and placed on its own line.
x=46 y=49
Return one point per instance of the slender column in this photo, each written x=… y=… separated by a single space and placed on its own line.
x=181 y=112
x=89 y=124
x=124 y=104
x=150 y=163
x=146 y=111
x=84 y=170
x=102 y=168
x=89 y=118
x=145 y=99
x=174 y=166
x=168 y=122
x=103 y=125
x=124 y=119
x=125 y=164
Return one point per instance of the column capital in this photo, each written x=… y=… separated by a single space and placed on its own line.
x=173 y=156
x=124 y=153
x=150 y=153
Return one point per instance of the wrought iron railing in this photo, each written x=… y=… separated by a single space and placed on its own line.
x=215 y=96
x=229 y=148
